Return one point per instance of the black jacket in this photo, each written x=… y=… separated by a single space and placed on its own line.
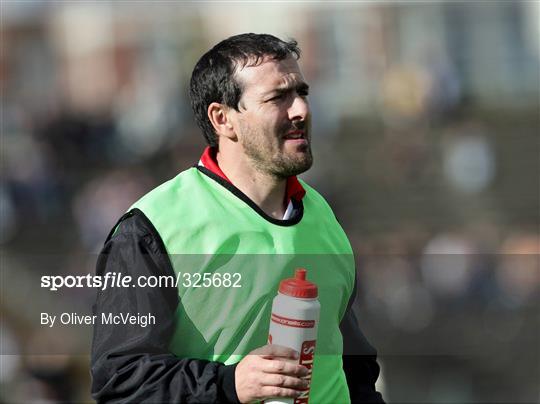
x=132 y=364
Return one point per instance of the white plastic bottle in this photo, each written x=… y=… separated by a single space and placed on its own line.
x=294 y=320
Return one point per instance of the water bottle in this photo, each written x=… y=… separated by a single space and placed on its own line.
x=293 y=323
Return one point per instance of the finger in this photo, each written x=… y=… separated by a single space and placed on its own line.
x=276 y=351
x=274 y=391
x=284 y=368
x=284 y=381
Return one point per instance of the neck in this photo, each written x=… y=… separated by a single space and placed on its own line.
x=267 y=191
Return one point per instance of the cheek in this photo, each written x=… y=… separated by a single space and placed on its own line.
x=267 y=126
x=280 y=122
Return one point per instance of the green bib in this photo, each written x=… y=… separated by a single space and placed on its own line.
x=207 y=229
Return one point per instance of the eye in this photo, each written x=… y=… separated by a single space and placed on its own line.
x=303 y=93
x=277 y=97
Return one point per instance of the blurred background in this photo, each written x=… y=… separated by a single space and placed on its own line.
x=426 y=140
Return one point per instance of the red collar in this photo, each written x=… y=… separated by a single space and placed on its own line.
x=294 y=188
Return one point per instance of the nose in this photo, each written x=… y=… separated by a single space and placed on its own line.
x=299 y=109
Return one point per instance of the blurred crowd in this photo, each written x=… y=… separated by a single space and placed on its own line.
x=425 y=141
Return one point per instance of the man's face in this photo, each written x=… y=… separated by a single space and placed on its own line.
x=273 y=126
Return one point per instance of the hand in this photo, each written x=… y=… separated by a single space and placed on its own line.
x=269 y=371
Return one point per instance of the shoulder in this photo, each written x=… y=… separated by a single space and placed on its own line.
x=316 y=204
x=163 y=194
x=132 y=225
x=314 y=197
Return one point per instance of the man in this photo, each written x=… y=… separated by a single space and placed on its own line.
x=240 y=212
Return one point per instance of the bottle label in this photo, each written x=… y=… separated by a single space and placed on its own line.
x=306 y=359
x=289 y=322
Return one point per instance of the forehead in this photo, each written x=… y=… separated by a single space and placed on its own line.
x=268 y=75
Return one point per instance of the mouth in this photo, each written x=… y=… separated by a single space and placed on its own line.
x=296 y=135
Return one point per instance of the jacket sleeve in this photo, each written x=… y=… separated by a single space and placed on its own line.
x=132 y=363
x=359 y=359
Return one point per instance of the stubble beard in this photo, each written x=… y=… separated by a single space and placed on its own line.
x=276 y=162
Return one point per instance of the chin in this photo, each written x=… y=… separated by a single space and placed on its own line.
x=297 y=167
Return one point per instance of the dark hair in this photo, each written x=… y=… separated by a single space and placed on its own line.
x=213 y=78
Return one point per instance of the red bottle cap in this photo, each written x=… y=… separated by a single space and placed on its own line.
x=298 y=286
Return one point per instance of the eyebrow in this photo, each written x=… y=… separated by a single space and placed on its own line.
x=302 y=86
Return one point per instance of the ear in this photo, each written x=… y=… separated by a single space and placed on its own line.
x=218 y=114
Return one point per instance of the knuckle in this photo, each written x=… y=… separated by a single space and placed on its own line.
x=285 y=393
x=279 y=366
x=276 y=391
